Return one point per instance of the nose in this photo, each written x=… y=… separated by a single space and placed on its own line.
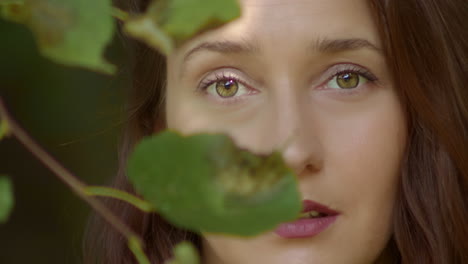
x=301 y=158
x=297 y=134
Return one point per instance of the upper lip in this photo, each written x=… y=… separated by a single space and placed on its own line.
x=309 y=205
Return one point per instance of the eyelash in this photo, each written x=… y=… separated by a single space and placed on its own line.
x=349 y=68
x=204 y=85
x=220 y=77
x=357 y=70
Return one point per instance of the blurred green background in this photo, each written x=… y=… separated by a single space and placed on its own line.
x=76 y=115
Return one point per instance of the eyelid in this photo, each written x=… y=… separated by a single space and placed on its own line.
x=350 y=67
x=330 y=73
x=340 y=68
x=221 y=74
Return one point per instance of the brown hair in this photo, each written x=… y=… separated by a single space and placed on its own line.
x=426 y=45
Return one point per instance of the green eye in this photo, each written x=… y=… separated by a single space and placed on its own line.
x=227 y=88
x=347 y=80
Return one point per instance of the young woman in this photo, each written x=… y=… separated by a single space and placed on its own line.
x=369 y=99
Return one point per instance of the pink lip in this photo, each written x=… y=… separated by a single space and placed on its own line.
x=309 y=205
x=308 y=227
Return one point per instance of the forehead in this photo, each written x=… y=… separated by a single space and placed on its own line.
x=340 y=16
x=289 y=24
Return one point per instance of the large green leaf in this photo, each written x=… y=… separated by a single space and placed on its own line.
x=71 y=32
x=185 y=253
x=167 y=23
x=6 y=198
x=206 y=184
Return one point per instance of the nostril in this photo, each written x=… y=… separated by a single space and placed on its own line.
x=311 y=168
x=307 y=170
x=303 y=157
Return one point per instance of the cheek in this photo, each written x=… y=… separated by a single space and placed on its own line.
x=368 y=147
x=364 y=153
x=363 y=146
x=183 y=113
x=189 y=113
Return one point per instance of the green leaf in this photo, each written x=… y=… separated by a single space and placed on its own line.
x=185 y=253
x=144 y=29
x=3 y=2
x=6 y=198
x=70 y=32
x=204 y=183
x=167 y=23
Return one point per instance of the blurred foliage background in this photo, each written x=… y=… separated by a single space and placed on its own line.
x=76 y=115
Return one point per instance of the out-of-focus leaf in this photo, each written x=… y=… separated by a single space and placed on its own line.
x=167 y=23
x=206 y=184
x=6 y=198
x=70 y=32
x=4 y=2
x=185 y=253
x=144 y=29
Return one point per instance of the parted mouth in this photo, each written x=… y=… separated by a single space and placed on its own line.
x=312 y=209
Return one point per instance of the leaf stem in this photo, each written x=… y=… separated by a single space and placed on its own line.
x=4 y=129
x=135 y=246
x=65 y=176
x=119 y=14
x=121 y=195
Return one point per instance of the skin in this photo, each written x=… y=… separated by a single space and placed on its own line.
x=345 y=145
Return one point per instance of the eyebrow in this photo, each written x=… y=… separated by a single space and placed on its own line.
x=340 y=45
x=229 y=47
x=322 y=45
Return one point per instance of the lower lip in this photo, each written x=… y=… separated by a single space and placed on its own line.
x=305 y=227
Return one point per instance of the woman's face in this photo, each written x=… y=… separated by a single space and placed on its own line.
x=309 y=77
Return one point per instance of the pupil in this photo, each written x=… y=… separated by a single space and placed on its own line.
x=227 y=88
x=348 y=80
x=228 y=84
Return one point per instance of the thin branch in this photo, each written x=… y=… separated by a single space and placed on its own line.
x=65 y=176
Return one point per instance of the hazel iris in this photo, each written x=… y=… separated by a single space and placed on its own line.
x=227 y=88
x=348 y=80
